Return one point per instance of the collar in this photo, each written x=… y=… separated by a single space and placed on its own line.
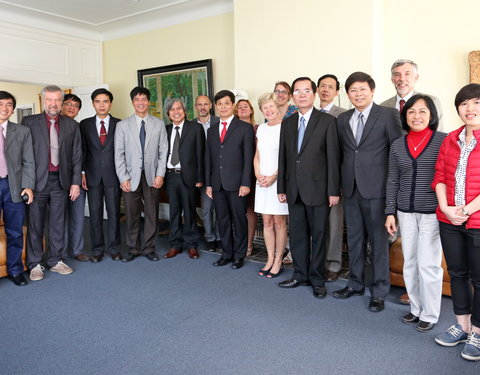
x=228 y=121
x=179 y=125
x=328 y=107
x=106 y=120
x=406 y=97
x=365 y=112
x=306 y=116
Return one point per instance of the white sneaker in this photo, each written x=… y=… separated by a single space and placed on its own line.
x=61 y=268
x=37 y=273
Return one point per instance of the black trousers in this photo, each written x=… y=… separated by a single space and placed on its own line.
x=231 y=211
x=461 y=247
x=181 y=198
x=308 y=235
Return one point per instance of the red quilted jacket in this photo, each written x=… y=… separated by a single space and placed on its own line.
x=445 y=173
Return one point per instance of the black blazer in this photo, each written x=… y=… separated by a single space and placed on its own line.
x=70 y=153
x=229 y=165
x=314 y=172
x=367 y=164
x=191 y=150
x=98 y=161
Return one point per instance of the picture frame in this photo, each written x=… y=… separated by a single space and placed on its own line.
x=185 y=81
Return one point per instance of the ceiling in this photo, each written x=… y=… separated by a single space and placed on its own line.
x=108 y=19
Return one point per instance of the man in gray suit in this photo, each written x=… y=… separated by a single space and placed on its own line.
x=366 y=133
x=203 y=105
x=17 y=180
x=328 y=88
x=141 y=148
x=404 y=76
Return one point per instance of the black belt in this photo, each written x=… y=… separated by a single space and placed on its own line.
x=174 y=170
x=53 y=173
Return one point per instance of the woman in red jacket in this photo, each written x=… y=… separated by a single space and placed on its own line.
x=457 y=184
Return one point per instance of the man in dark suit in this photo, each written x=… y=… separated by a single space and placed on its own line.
x=203 y=105
x=185 y=172
x=99 y=178
x=57 y=147
x=228 y=177
x=366 y=134
x=17 y=180
x=308 y=179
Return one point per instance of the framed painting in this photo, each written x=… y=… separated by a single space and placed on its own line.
x=185 y=81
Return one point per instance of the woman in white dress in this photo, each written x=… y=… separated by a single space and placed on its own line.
x=273 y=212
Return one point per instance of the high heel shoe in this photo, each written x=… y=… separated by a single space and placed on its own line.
x=285 y=253
x=271 y=275
x=263 y=272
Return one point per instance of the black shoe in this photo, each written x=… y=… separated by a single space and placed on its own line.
x=348 y=292
x=423 y=326
x=18 y=280
x=116 y=256
x=152 y=256
x=263 y=272
x=129 y=257
x=319 y=291
x=271 y=275
x=211 y=246
x=218 y=245
x=96 y=258
x=222 y=262
x=376 y=304
x=237 y=263
x=292 y=283
x=409 y=318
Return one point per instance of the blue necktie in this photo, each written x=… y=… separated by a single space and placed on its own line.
x=301 y=133
x=142 y=141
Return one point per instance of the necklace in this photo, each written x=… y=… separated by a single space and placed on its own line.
x=417 y=146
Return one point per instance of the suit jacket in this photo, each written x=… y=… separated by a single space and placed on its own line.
x=70 y=153
x=192 y=152
x=229 y=165
x=20 y=160
x=336 y=110
x=98 y=161
x=367 y=164
x=314 y=172
x=128 y=150
x=393 y=101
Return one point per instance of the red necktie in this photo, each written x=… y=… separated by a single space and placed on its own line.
x=402 y=104
x=224 y=131
x=103 y=133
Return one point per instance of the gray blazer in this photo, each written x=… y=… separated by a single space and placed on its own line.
x=128 y=151
x=20 y=160
x=393 y=101
x=336 y=110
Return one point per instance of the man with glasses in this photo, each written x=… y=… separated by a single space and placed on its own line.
x=309 y=181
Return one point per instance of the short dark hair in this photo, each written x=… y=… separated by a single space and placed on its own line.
x=223 y=93
x=314 y=86
x=140 y=91
x=470 y=91
x=359 y=77
x=284 y=84
x=101 y=91
x=432 y=124
x=329 y=76
x=73 y=98
x=5 y=95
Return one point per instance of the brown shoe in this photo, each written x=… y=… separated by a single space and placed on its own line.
x=172 y=253
x=82 y=257
x=331 y=276
x=193 y=253
x=404 y=300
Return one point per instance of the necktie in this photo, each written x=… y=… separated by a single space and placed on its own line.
x=176 y=143
x=360 y=126
x=301 y=133
x=402 y=104
x=53 y=144
x=142 y=141
x=103 y=133
x=3 y=158
x=323 y=110
x=224 y=131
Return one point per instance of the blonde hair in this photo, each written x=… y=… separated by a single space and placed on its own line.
x=265 y=98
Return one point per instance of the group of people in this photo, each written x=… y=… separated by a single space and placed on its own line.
x=383 y=169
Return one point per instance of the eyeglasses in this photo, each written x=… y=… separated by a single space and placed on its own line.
x=300 y=92
x=72 y=104
x=281 y=92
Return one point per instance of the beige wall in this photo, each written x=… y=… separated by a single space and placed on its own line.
x=283 y=39
x=24 y=94
x=210 y=37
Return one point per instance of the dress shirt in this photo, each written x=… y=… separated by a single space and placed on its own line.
x=354 y=119
x=4 y=128
x=106 y=121
x=172 y=139
x=205 y=124
x=406 y=97
x=461 y=172
x=139 y=122
x=327 y=108
x=228 y=121
x=306 y=116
